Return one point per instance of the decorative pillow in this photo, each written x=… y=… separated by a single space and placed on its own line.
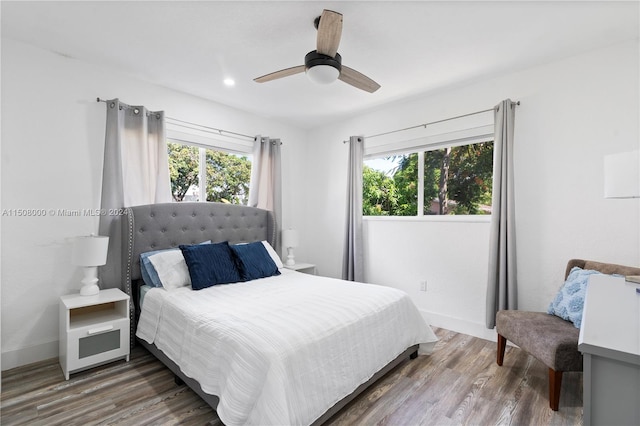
x=171 y=269
x=569 y=301
x=148 y=271
x=274 y=256
x=210 y=264
x=254 y=261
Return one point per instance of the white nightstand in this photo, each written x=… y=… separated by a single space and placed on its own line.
x=93 y=329
x=307 y=268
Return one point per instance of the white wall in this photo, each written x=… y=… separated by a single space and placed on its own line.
x=52 y=149
x=572 y=113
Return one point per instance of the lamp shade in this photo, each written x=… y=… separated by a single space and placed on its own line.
x=290 y=238
x=90 y=250
x=622 y=175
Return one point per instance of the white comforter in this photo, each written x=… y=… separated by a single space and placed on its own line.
x=282 y=350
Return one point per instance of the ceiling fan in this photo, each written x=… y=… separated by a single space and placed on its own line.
x=324 y=65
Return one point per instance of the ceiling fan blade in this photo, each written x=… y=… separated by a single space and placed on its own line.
x=358 y=80
x=329 y=32
x=279 y=74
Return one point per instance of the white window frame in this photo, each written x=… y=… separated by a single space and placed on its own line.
x=203 y=141
x=421 y=145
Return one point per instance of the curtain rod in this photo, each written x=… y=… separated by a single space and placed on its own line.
x=188 y=124
x=433 y=122
x=201 y=127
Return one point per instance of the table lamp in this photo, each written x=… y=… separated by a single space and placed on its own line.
x=90 y=252
x=289 y=241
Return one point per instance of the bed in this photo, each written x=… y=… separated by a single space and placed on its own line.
x=286 y=348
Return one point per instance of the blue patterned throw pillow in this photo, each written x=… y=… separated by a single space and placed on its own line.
x=569 y=301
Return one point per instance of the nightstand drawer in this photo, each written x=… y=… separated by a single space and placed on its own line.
x=98 y=343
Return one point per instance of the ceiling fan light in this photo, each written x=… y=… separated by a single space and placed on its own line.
x=323 y=74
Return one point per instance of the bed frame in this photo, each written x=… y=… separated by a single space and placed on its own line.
x=162 y=226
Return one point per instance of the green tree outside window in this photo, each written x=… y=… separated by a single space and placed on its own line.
x=457 y=181
x=227 y=175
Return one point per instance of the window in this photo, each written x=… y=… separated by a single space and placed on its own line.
x=449 y=180
x=225 y=177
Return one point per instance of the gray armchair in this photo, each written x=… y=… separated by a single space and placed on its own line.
x=550 y=339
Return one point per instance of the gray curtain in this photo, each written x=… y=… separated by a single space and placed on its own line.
x=353 y=257
x=502 y=282
x=265 y=188
x=135 y=172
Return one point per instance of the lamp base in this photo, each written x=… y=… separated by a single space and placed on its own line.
x=89 y=290
x=290 y=258
x=90 y=281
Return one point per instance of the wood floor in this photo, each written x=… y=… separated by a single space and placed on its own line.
x=460 y=383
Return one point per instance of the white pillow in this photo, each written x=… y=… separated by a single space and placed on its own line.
x=171 y=268
x=273 y=254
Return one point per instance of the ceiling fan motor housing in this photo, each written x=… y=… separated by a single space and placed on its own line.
x=314 y=58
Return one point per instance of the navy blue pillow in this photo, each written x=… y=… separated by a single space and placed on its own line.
x=254 y=261
x=210 y=264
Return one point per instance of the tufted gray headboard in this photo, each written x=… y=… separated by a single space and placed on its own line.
x=161 y=226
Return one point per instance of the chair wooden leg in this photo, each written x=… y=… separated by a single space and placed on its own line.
x=555 y=380
x=502 y=345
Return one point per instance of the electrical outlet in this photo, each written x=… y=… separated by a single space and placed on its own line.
x=423 y=285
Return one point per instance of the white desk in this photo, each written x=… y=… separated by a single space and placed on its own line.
x=610 y=343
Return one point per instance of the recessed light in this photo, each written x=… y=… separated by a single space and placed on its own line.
x=229 y=82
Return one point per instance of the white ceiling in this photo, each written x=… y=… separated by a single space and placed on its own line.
x=410 y=48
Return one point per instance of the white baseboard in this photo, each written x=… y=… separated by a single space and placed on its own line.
x=29 y=355
x=459 y=325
